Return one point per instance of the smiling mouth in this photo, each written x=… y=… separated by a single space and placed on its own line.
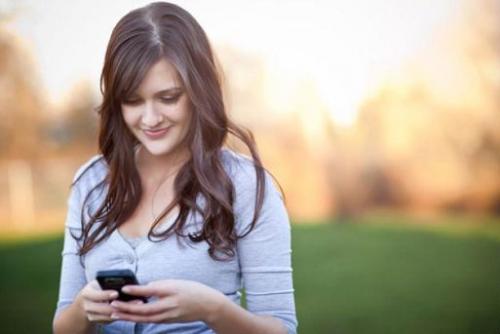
x=154 y=134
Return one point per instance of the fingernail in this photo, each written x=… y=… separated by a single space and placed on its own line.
x=115 y=316
x=113 y=294
x=126 y=289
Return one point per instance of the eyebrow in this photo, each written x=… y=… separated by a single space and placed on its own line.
x=162 y=92
x=168 y=91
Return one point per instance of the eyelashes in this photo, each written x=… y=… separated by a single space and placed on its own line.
x=162 y=99
x=170 y=100
x=131 y=102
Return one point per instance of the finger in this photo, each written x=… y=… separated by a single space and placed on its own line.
x=142 y=309
x=94 y=293
x=143 y=290
x=94 y=284
x=136 y=301
x=98 y=308
x=99 y=318
x=160 y=317
x=100 y=295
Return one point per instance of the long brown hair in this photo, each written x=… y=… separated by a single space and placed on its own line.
x=138 y=40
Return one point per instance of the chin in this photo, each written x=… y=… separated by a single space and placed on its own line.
x=158 y=149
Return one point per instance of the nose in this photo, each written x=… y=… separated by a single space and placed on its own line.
x=150 y=116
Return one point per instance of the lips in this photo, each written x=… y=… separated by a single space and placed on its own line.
x=156 y=134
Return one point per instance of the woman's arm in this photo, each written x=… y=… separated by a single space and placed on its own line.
x=69 y=316
x=229 y=318
x=73 y=320
x=91 y=306
x=185 y=301
x=80 y=304
x=265 y=253
x=265 y=259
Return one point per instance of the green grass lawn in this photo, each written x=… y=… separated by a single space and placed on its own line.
x=378 y=277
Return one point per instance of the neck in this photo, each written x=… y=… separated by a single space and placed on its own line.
x=158 y=168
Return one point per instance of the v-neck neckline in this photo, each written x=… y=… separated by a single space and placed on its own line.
x=145 y=240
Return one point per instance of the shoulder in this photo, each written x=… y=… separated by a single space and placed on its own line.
x=240 y=167
x=91 y=172
x=232 y=159
x=242 y=171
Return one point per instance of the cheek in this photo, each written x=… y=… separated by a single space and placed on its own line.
x=186 y=119
x=129 y=117
x=185 y=115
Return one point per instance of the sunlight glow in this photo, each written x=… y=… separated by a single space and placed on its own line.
x=347 y=47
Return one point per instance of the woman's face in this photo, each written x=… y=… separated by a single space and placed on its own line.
x=158 y=112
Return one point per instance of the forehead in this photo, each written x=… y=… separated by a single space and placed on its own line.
x=161 y=75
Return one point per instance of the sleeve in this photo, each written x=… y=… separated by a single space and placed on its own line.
x=265 y=252
x=72 y=278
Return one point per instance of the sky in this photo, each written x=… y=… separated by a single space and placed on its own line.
x=346 y=47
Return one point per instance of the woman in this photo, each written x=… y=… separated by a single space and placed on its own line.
x=166 y=199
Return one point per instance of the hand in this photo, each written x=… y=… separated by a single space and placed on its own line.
x=95 y=302
x=178 y=301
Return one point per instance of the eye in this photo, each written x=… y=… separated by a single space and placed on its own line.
x=170 y=99
x=132 y=102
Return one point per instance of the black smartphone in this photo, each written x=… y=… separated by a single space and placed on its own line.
x=115 y=280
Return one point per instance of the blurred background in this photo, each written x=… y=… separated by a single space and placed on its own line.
x=380 y=119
